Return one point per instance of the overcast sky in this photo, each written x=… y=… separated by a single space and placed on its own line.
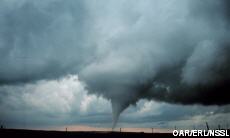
x=151 y=63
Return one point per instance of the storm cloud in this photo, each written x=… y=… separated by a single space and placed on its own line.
x=171 y=51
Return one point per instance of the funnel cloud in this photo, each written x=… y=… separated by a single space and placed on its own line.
x=172 y=51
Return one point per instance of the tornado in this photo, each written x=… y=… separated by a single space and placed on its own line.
x=173 y=51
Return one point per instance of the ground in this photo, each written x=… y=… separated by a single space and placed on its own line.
x=61 y=134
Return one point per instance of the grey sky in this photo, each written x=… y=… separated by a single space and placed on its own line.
x=69 y=62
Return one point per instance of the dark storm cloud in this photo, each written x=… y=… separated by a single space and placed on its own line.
x=172 y=51
x=176 y=52
x=41 y=40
